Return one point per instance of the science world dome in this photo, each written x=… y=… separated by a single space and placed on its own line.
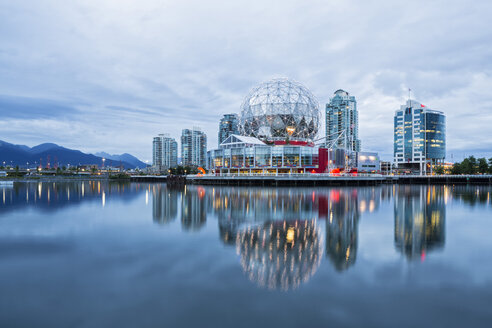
x=280 y=109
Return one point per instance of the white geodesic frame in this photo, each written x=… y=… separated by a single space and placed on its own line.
x=280 y=109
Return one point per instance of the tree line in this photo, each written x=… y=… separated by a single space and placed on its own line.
x=470 y=165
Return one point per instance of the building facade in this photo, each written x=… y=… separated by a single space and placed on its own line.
x=229 y=124
x=419 y=137
x=164 y=152
x=244 y=154
x=193 y=147
x=367 y=162
x=342 y=122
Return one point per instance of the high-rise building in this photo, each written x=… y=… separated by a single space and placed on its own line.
x=193 y=147
x=165 y=152
x=228 y=125
x=420 y=137
x=342 y=122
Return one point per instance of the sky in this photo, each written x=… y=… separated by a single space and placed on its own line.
x=109 y=75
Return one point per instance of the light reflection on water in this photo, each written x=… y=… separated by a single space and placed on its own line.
x=285 y=239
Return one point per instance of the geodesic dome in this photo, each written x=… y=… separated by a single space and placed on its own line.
x=280 y=109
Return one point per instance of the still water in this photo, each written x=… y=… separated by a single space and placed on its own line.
x=93 y=254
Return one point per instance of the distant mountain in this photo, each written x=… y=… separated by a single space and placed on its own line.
x=124 y=158
x=21 y=155
x=43 y=147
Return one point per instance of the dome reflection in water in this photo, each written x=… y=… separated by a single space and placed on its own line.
x=280 y=254
x=278 y=233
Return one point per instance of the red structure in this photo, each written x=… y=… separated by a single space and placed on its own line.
x=322 y=160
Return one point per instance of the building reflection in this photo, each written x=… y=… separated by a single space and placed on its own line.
x=420 y=216
x=54 y=195
x=471 y=195
x=165 y=204
x=342 y=228
x=193 y=208
x=342 y=208
x=258 y=213
x=280 y=254
x=277 y=250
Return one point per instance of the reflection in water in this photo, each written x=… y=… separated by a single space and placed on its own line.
x=279 y=236
x=342 y=228
x=280 y=254
x=51 y=196
x=341 y=208
x=420 y=216
x=164 y=204
x=193 y=209
x=268 y=219
x=472 y=195
x=253 y=219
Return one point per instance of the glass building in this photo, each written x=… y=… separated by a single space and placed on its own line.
x=229 y=124
x=164 y=152
x=419 y=137
x=193 y=147
x=241 y=154
x=342 y=122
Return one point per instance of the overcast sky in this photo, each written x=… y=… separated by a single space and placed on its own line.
x=108 y=75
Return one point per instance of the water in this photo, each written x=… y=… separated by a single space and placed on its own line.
x=93 y=254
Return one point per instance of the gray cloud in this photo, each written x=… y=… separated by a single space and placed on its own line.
x=109 y=75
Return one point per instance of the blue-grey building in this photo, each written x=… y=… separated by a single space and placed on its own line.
x=420 y=137
x=342 y=122
x=229 y=125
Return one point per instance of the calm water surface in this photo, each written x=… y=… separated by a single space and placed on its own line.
x=93 y=254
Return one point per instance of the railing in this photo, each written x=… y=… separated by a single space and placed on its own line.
x=307 y=175
x=445 y=176
x=343 y=175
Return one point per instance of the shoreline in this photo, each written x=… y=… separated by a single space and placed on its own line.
x=290 y=181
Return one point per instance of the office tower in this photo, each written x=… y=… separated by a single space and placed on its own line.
x=193 y=147
x=228 y=125
x=420 y=137
x=342 y=122
x=165 y=152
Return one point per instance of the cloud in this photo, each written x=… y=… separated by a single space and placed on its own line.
x=116 y=73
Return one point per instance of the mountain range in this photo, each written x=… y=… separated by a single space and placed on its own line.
x=11 y=154
x=130 y=159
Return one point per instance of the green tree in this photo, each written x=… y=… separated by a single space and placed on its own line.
x=439 y=170
x=490 y=165
x=456 y=169
x=469 y=165
x=473 y=164
x=483 y=167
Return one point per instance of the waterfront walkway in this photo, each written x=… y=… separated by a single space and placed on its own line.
x=322 y=179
